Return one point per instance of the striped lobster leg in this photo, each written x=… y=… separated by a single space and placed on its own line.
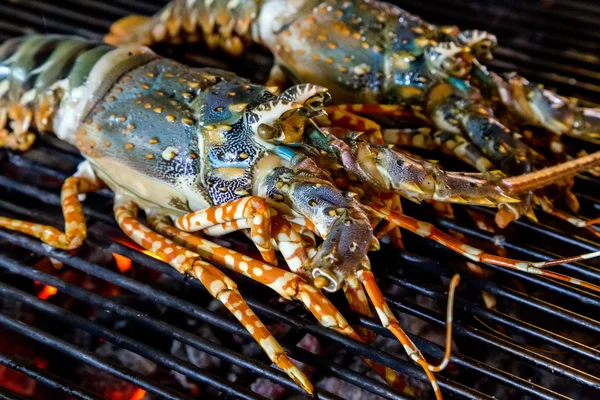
x=390 y=322
x=288 y=285
x=236 y=214
x=75 y=231
x=429 y=231
x=392 y=200
x=19 y=137
x=343 y=118
x=218 y=285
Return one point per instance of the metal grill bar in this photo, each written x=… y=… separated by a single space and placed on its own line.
x=50 y=380
x=6 y=394
x=83 y=355
x=202 y=314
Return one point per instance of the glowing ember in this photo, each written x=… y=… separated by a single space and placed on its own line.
x=138 y=394
x=47 y=292
x=123 y=263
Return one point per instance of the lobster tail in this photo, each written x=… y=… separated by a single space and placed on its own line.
x=221 y=23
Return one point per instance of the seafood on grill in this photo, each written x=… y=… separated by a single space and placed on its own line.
x=203 y=151
x=383 y=63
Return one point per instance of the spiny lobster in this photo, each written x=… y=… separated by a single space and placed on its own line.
x=204 y=151
x=384 y=62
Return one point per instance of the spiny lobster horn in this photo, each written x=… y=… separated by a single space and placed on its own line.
x=282 y=119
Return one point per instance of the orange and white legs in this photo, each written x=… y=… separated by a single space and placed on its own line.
x=288 y=285
x=390 y=322
x=235 y=215
x=75 y=227
x=429 y=231
x=218 y=284
x=18 y=137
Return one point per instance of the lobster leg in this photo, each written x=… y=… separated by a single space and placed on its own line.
x=357 y=299
x=548 y=208
x=218 y=285
x=429 y=231
x=75 y=226
x=392 y=200
x=252 y=208
x=391 y=110
x=389 y=321
x=286 y=284
x=19 y=137
x=347 y=119
x=420 y=138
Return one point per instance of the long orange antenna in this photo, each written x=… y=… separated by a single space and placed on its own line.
x=391 y=323
x=547 y=176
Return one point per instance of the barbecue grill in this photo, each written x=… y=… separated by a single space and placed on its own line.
x=85 y=325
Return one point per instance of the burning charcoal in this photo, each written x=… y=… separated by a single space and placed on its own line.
x=197 y=357
x=111 y=387
x=268 y=389
x=126 y=358
x=345 y=390
x=274 y=391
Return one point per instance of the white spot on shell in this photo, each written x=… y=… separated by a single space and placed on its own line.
x=216 y=287
x=328 y=321
x=257 y=271
x=243 y=266
x=424 y=229
x=271 y=347
x=155 y=246
x=305 y=299
x=169 y=153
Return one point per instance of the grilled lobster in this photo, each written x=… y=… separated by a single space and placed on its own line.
x=370 y=53
x=202 y=150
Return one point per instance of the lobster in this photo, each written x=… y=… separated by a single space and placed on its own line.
x=385 y=62
x=201 y=150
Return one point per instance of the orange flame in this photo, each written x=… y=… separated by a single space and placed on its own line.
x=138 y=394
x=123 y=263
x=47 y=292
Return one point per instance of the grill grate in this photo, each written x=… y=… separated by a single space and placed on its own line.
x=151 y=312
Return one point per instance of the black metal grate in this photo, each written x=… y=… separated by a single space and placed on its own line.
x=151 y=306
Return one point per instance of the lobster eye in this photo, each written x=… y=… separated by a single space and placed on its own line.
x=266 y=132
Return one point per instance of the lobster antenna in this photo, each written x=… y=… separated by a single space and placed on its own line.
x=547 y=176
x=449 y=317
x=391 y=323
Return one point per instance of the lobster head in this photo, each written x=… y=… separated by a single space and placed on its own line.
x=344 y=251
x=282 y=120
